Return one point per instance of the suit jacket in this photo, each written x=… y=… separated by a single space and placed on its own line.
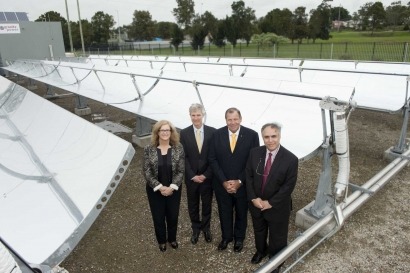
x=150 y=166
x=279 y=185
x=227 y=165
x=196 y=163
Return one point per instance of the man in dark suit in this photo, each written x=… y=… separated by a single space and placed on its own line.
x=198 y=174
x=228 y=155
x=271 y=174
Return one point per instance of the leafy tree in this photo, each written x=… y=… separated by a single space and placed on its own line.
x=177 y=36
x=231 y=30
x=165 y=29
x=198 y=33
x=319 y=23
x=219 y=38
x=356 y=20
x=142 y=27
x=184 y=13
x=396 y=14
x=101 y=24
x=87 y=34
x=373 y=15
x=242 y=18
x=277 y=21
x=51 y=16
x=340 y=13
x=268 y=39
x=300 y=28
x=210 y=24
x=378 y=15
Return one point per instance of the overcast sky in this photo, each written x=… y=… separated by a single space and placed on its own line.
x=161 y=10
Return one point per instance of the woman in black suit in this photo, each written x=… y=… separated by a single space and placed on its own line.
x=163 y=171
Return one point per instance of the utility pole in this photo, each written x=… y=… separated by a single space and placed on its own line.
x=119 y=28
x=81 y=29
x=69 y=27
x=338 y=20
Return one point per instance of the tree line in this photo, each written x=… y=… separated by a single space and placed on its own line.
x=276 y=26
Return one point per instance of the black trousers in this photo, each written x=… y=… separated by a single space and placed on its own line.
x=277 y=231
x=198 y=193
x=232 y=227
x=165 y=212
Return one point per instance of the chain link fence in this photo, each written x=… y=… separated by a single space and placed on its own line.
x=376 y=51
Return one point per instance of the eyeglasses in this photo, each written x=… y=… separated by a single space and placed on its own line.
x=262 y=166
x=165 y=131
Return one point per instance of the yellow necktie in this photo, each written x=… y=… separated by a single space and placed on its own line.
x=198 y=140
x=233 y=142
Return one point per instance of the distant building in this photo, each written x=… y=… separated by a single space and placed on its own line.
x=345 y=24
x=23 y=39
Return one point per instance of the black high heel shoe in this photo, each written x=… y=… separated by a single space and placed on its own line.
x=174 y=245
x=162 y=247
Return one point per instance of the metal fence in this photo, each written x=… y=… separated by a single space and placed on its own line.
x=376 y=51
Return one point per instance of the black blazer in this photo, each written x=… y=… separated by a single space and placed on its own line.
x=227 y=165
x=280 y=182
x=196 y=163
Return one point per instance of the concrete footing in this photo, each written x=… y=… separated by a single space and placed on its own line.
x=141 y=141
x=32 y=87
x=304 y=221
x=82 y=111
x=389 y=155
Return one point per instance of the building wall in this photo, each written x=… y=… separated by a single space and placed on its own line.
x=32 y=42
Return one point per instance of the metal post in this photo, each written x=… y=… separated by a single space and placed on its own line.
x=406 y=46
x=401 y=145
x=119 y=28
x=321 y=48
x=81 y=28
x=69 y=28
x=331 y=51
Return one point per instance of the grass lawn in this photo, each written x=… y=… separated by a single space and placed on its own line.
x=367 y=37
x=350 y=45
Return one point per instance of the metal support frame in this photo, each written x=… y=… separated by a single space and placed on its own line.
x=143 y=126
x=80 y=102
x=402 y=146
x=325 y=200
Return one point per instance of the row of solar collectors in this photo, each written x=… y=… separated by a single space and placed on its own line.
x=168 y=94
x=56 y=170
x=13 y=16
x=158 y=62
x=378 y=86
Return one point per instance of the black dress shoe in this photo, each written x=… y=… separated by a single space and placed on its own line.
x=208 y=236
x=174 y=245
x=194 y=237
x=162 y=247
x=238 y=246
x=257 y=258
x=223 y=245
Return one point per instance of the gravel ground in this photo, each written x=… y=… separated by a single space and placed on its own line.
x=375 y=239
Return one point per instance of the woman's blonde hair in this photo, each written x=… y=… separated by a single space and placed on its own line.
x=174 y=138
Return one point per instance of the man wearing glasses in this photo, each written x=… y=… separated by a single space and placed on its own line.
x=271 y=174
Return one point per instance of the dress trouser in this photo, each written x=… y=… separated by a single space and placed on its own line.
x=197 y=192
x=227 y=205
x=278 y=234
x=165 y=212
